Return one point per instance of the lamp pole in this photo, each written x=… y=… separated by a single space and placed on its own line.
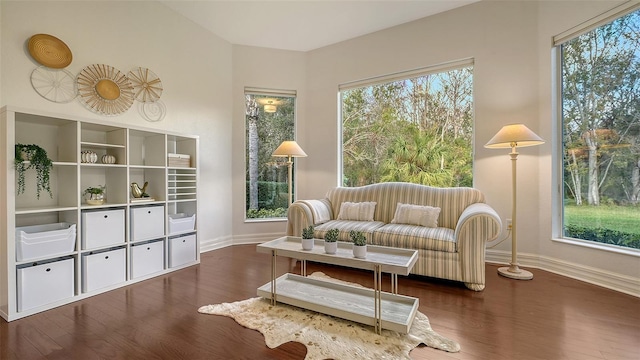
x=290 y=166
x=514 y=271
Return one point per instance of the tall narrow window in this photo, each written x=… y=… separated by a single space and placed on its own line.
x=270 y=120
x=601 y=133
x=414 y=127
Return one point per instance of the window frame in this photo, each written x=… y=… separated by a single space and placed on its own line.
x=557 y=225
x=398 y=76
x=270 y=93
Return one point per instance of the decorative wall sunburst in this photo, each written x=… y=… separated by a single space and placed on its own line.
x=105 y=89
x=147 y=86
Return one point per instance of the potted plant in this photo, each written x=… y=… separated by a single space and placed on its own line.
x=32 y=156
x=331 y=241
x=95 y=195
x=359 y=244
x=307 y=238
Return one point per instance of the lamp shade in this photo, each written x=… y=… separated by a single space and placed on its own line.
x=514 y=134
x=289 y=148
x=270 y=108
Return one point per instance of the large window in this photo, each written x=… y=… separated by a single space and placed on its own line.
x=601 y=133
x=270 y=120
x=415 y=127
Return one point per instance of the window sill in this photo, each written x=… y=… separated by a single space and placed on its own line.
x=599 y=246
x=265 y=220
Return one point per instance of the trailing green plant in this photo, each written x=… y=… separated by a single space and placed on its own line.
x=307 y=233
x=358 y=238
x=32 y=156
x=331 y=235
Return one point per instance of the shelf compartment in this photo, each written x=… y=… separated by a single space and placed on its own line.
x=63 y=181
x=147 y=148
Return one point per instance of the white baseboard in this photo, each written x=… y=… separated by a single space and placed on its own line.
x=610 y=280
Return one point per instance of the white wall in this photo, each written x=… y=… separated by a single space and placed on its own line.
x=268 y=69
x=193 y=64
x=511 y=44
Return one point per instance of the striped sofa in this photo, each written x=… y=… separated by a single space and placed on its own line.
x=454 y=250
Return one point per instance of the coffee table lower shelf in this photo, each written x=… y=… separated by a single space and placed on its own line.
x=344 y=301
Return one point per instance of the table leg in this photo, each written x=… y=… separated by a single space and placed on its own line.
x=377 y=290
x=273 y=277
x=303 y=267
x=394 y=284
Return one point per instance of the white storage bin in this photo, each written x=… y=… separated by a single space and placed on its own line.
x=147 y=222
x=39 y=241
x=45 y=283
x=147 y=258
x=179 y=223
x=102 y=228
x=182 y=250
x=102 y=269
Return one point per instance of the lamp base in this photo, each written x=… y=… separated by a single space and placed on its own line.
x=514 y=272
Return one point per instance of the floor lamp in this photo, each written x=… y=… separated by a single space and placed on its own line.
x=289 y=149
x=512 y=136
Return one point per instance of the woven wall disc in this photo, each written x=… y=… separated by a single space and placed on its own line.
x=50 y=51
x=104 y=89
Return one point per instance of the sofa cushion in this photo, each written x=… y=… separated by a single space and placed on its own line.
x=361 y=211
x=416 y=215
x=415 y=237
x=367 y=228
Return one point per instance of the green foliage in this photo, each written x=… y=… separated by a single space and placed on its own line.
x=37 y=159
x=603 y=235
x=266 y=213
x=307 y=233
x=417 y=130
x=331 y=235
x=95 y=190
x=357 y=238
x=271 y=195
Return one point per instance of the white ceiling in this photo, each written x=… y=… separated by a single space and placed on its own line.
x=303 y=25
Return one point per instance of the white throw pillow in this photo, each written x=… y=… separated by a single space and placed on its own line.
x=426 y=216
x=362 y=211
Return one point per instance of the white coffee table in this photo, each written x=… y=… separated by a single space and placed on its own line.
x=390 y=311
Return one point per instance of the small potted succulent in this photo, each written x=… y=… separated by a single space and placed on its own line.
x=331 y=241
x=95 y=195
x=359 y=244
x=307 y=238
x=31 y=156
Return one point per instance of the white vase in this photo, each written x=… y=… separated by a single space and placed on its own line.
x=360 y=251
x=330 y=247
x=307 y=244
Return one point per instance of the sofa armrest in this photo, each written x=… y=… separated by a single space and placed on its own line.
x=303 y=213
x=478 y=224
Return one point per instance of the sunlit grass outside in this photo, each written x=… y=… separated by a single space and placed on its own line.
x=620 y=218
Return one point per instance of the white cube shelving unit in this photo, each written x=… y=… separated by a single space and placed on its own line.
x=107 y=249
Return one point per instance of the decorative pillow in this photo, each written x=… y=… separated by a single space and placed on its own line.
x=362 y=211
x=321 y=211
x=426 y=216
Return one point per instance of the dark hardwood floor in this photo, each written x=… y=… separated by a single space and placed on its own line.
x=551 y=317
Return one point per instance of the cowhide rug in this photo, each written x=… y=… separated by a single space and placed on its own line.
x=326 y=336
